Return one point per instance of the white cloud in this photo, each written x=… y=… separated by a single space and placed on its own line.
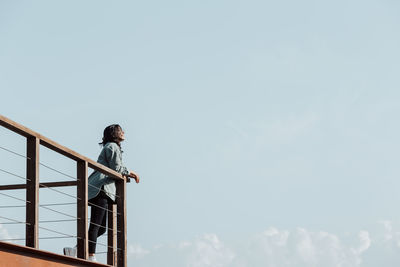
x=300 y=247
x=276 y=247
x=365 y=242
x=388 y=229
x=204 y=251
x=208 y=250
x=135 y=251
x=271 y=248
x=391 y=236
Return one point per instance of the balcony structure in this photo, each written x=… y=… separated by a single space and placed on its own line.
x=30 y=255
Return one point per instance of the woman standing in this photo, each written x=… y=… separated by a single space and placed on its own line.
x=101 y=188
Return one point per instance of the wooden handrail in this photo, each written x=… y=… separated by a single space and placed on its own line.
x=24 y=131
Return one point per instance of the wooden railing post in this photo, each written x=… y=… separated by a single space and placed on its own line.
x=111 y=235
x=32 y=192
x=121 y=224
x=82 y=210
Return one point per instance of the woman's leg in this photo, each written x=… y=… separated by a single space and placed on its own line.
x=103 y=227
x=98 y=216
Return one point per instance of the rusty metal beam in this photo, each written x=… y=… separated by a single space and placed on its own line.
x=111 y=235
x=121 y=224
x=32 y=192
x=82 y=210
x=41 y=185
x=20 y=256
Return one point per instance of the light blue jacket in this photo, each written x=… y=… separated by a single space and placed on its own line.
x=110 y=156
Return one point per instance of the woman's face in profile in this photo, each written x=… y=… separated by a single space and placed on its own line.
x=121 y=135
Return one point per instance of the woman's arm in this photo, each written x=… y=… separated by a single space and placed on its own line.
x=134 y=176
x=115 y=160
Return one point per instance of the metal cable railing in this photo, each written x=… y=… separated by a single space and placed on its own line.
x=13 y=152
x=44 y=228
x=57 y=204
x=63 y=235
x=55 y=170
x=57 y=221
x=103 y=245
x=60 y=212
x=55 y=190
x=33 y=141
x=17 y=198
x=15 y=206
x=73 y=178
x=100 y=207
x=45 y=206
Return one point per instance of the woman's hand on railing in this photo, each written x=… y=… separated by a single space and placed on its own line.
x=134 y=176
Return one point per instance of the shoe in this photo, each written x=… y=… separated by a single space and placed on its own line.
x=70 y=251
x=92 y=258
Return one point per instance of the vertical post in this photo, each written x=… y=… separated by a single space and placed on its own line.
x=32 y=192
x=111 y=235
x=121 y=227
x=82 y=210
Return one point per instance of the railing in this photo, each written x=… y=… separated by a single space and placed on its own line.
x=116 y=236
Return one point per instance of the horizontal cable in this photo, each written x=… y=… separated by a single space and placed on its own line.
x=15 y=206
x=16 y=175
x=105 y=235
x=12 y=222
x=20 y=199
x=73 y=178
x=53 y=231
x=48 y=221
x=100 y=244
x=14 y=152
x=53 y=169
x=103 y=226
x=100 y=207
x=15 y=221
x=58 y=191
x=55 y=190
x=44 y=165
x=41 y=227
x=50 y=168
x=57 y=204
x=41 y=184
x=59 y=212
x=51 y=221
x=60 y=233
x=50 y=237
x=57 y=237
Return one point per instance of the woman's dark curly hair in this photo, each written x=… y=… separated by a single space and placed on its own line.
x=111 y=134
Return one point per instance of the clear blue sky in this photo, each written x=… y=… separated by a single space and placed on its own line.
x=265 y=132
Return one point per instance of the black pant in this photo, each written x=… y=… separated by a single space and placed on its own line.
x=98 y=219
